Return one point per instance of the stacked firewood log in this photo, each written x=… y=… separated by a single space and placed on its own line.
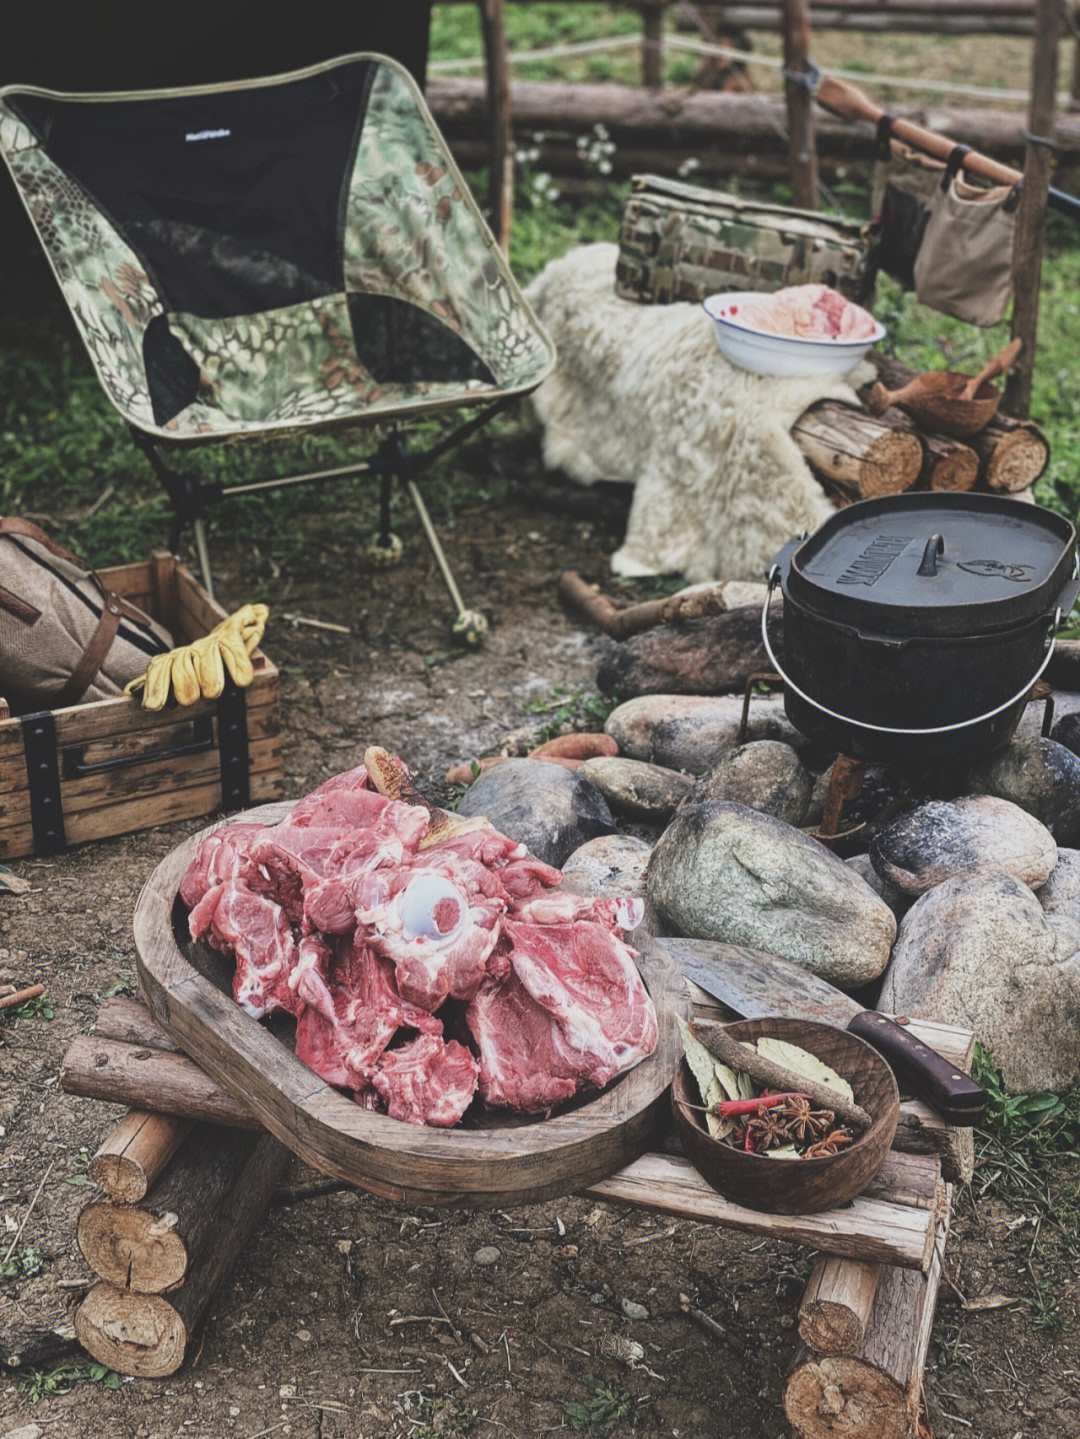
x=179 y=1200
x=858 y=456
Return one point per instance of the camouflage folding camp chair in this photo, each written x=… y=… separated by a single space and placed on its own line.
x=270 y=258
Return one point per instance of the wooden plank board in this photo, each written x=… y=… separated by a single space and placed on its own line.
x=508 y=1164
x=868 y=1228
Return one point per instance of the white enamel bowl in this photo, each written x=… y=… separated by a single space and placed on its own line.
x=764 y=354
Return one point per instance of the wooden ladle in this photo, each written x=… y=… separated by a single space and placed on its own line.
x=998 y=365
x=948 y=402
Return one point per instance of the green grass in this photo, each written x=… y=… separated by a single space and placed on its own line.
x=602 y=1411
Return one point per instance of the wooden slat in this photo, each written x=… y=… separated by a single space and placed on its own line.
x=868 y=1229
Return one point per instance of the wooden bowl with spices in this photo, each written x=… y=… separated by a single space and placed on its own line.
x=809 y=1182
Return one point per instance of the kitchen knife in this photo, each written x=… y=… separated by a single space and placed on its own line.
x=754 y=983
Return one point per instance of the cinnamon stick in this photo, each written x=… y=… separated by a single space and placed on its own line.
x=745 y=1060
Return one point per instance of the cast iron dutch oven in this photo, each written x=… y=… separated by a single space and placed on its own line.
x=915 y=625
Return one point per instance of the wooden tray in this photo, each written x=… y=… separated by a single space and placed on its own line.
x=500 y=1162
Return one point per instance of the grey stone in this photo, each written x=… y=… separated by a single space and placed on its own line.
x=1066 y=731
x=613 y=865
x=630 y=786
x=549 y=809
x=1040 y=776
x=895 y=898
x=723 y=871
x=633 y=1310
x=978 y=951
x=689 y=732
x=487 y=1255
x=1060 y=900
x=944 y=838
x=766 y=775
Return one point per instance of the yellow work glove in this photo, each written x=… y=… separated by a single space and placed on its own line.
x=197 y=670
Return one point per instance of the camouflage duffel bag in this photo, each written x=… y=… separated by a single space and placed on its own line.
x=680 y=242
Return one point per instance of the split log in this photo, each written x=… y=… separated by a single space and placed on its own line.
x=135 y=1153
x=150 y=1246
x=947 y=464
x=147 y=1334
x=876 y=1392
x=837 y=1303
x=1013 y=454
x=859 y=453
x=146 y=1078
x=692 y=657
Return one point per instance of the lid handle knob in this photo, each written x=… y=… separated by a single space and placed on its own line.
x=935 y=546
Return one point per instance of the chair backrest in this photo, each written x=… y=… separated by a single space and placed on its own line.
x=274 y=254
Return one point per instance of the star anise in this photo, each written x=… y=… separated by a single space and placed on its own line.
x=838 y=1139
x=804 y=1123
x=769 y=1128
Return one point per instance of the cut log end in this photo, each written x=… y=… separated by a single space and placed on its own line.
x=837 y=1304
x=135 y=1153
x=1015 y=461
x=132 y=1248
x=840 y=1396
x=139 y=1334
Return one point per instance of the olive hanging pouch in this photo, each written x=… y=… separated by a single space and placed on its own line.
x=964 y=264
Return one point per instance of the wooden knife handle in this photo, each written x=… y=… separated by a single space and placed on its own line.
x=928 y=1075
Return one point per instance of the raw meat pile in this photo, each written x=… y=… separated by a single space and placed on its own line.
x=809 y=312
x=380 y=937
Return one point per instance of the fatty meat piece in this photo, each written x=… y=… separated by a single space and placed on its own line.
x=430 y=1081
x=586 y=978
x=254 y=929
x=520 y=1067
x=342 y=1042
x=222 y=855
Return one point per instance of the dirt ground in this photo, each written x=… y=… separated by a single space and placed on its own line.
x=301 y=1340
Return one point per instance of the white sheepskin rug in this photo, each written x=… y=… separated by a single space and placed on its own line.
x=642 y=394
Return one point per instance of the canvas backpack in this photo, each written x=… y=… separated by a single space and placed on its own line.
x=64 y=637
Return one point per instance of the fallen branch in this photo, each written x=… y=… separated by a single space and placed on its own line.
x=695 y=602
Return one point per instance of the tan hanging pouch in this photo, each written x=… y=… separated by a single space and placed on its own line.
x=964 y=264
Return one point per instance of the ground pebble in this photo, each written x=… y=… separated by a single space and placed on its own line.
x=633 y=1310
x=487 y=1256
x=598 y=1300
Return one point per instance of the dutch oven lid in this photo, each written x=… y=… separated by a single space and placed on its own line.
x=934 y=564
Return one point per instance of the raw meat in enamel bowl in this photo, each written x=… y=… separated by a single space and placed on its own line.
x=340 y=917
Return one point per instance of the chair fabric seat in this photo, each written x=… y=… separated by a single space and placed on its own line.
x=262 y=259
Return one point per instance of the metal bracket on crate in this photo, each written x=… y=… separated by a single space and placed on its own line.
x=43 y=782
x=233 y=748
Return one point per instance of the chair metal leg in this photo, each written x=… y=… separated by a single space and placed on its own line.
x=470 y=626
x=203 y=551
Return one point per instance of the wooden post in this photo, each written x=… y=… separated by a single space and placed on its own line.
x=500 y=141
x=1031 y=217
x=802 y=155
x=652 y=45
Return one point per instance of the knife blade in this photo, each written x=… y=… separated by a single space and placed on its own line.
x=754 y=983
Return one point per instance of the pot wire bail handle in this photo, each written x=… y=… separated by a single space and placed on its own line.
x=774 y=577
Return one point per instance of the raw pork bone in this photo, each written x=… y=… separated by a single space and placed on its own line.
x=570 y=1011
x=342 y=1038
x=430 y=1081
x=438 y=917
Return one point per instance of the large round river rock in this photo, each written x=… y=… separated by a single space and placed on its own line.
x=552 y=811
x=688 y=732
x=943 y=838
x=979 y=951
x=1040 y=776
x=723 y=871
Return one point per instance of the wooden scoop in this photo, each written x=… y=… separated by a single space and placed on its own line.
x=948 y=402
x=1001 y=362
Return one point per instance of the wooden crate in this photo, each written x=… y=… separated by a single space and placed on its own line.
x=110 y=766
